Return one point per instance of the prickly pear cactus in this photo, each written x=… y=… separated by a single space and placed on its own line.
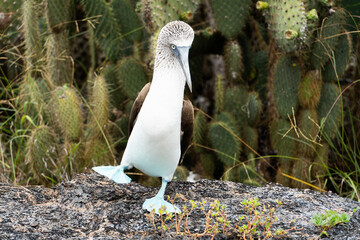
x=308 y=125
x=43 y=154
x=230 y=16
x=233 y=61
x=286 y=80
x=132 y=77
x=32 y=40
x=253 y=108
x=200 y=129
x=287 y=22
x=35 y=96
x=67 y=112
x=234 y=100
x=221 y=134
x=310 y=89
x=106 y=29
x=99 y=103
x=329 y=110
x=334 y=69
x=327 y=38
x=128 y=21
x=157 y=13
x=59 y=64
x=282 y=140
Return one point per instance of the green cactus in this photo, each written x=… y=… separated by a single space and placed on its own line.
x=233 y=61
x=219 y=94
x=35 y=95
x=111 y=75
x=327 y=38
x=58 y=14
x=251 y=137
x=287 y=75
x=342 y=52
x=227 y=146
x=207 y=163
x=282 y=140
x=127 y=20
x=301 y=170
x=230 y=16
x=157 y=13
x=106 y=29
x=43 y=154
x=329 y=94
x=287 y=22
x=59 y=69
x=67 y=112
x=319 y=166
x=32 y=36
x=310 y=89
x=99 y=103
x=308 y=125
x=200 y=128
x=132 y=77
x=253 y=108
x=234 y=100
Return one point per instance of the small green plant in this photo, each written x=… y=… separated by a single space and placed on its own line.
x=328 y=220
x=254 y=224
x=258 y=222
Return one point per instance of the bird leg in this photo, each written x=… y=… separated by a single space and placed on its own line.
x=115 y=173
x=158 y=201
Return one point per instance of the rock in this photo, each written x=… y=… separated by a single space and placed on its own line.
x=91 y=206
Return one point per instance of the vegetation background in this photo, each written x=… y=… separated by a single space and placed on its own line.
x=274 y=86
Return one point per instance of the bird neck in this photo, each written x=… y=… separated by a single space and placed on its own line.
x=169 y=81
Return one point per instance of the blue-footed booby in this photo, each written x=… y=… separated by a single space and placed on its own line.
x=161 y=121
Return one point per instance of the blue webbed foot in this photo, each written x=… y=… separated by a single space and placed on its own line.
x=158 y=203
x=114 y=173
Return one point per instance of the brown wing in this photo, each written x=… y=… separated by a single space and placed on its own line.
x=137 y=106
x=187 y=125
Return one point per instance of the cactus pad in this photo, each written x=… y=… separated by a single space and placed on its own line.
x=99 y=116
x=310 y=89
x=287 y=22
x=226 y=145
x=329 y=94
x=336 y=68
x=287 y=77
x=308 y=124
x=253 y=108
x=130 y=25
x=233 y=61
x=132 y=77
x=230 y=16
x=327 y=39
x=67 y=112
x=107 y=31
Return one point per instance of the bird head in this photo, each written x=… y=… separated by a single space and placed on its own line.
x=175 y=40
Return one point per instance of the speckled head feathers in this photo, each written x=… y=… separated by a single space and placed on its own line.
x=176 y=32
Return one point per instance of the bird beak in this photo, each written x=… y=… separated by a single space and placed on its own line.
x=184 y=62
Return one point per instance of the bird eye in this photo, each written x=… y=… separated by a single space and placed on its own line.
x=173 y=47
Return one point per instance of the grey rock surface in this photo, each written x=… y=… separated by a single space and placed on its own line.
x=93 y=207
